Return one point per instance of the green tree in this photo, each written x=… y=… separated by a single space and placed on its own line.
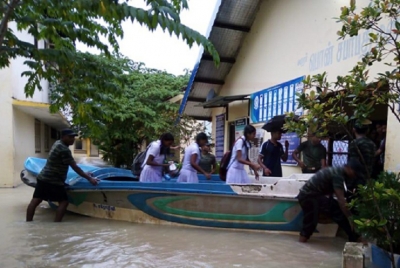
x=332 y=107
x=186 y=130
x=63 y=23
x=137 y=110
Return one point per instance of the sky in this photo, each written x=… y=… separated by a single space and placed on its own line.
x=159 y=50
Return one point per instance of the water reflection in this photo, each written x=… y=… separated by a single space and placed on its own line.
x=87 y=242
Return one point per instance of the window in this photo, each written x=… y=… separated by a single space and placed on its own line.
x=38 y=136
x=337 y=151
x=46 y=138
x=54 y=134
x=78 y=144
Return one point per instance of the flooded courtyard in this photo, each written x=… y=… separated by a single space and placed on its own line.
x=81 y=241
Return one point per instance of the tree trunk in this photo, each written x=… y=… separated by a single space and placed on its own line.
x=9 y=9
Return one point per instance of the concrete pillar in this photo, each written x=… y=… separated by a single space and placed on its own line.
x=353 y=256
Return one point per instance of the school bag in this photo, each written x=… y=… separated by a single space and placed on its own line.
x=137 y=165
x=226 y=159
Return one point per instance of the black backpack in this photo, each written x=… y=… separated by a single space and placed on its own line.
x=137 y=165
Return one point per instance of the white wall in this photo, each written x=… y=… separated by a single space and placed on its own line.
x=289 y=39
x=17 y=128
x=6 y=134
x=17 y=67
x=24 y=141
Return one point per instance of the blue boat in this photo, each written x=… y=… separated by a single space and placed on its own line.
x=265 y=205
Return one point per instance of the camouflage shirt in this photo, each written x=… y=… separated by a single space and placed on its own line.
x=206 y=162
x=56 y=168
x=324 y=182
x=367 y=148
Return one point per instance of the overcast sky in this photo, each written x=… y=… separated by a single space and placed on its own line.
x=160 y=50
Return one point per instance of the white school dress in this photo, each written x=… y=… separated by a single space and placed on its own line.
x=236 y=172
x=188 y=173
x=153 y=173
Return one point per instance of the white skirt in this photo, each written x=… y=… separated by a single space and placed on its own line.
x=188 y=176
x=235 y=175
x=151 y=174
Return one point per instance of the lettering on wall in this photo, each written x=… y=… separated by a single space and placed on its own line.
x=342 y=50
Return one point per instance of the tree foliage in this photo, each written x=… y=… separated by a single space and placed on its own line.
x=332 y=107
x=63 y=23
x=386 y=192
x=135 y=109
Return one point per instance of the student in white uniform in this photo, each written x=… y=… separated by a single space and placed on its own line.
x=236 y=172
x=191 y=159
x=155 y=156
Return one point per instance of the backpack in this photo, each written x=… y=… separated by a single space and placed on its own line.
x=137 y=165
x=226 y=159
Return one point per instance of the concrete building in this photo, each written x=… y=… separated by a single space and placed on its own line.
x=86 y=152
x=27 y=126
x=266 y=48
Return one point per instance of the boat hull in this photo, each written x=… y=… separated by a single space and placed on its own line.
x=268 y=204
x=196 y=210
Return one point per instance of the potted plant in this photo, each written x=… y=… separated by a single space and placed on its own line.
x=381 y=226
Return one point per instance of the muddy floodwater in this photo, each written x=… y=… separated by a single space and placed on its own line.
x=81 y=241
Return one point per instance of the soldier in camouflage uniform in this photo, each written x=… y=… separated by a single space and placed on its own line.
x=316 y=196
x=51 y=180
x=366 y=147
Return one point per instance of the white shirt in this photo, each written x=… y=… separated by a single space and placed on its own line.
x=239 y=146
x=189 y=151
x=154 y=150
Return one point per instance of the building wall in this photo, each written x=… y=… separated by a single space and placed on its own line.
x=6 y=137
x=24 y=142
x=290 y=39
x=17 y=139
x=17 y=67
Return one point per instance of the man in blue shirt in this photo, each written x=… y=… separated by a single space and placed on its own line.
x=271 y=153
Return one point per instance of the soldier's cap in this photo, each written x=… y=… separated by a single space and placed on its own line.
x=68 y=132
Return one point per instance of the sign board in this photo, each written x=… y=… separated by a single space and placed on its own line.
x=239 y=127
x=276 y=100
x=294 y=142
x=219 y=136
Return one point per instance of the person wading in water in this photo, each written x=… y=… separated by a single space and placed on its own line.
x=51 y=180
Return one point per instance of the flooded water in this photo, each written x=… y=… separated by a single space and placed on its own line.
x=88 y=242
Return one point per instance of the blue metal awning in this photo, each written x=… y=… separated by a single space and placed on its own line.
x=233 y=20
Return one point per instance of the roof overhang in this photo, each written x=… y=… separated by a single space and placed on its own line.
x=232 y=20
x=223 y=101
x=41 y=111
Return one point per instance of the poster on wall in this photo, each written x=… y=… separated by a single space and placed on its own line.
x=239 y=127
x=276 y=100
x=219 y=136
x=294 y=142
